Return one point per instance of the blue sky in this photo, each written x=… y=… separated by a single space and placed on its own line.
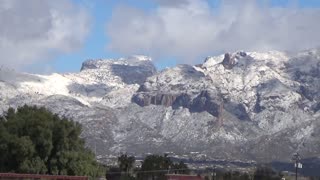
x=96 y=43
x=101 y=12
x=170 y=31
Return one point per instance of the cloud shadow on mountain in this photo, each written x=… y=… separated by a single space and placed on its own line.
x=132 y=74
x=89 y=90
x=14 y=78
x=305 y=69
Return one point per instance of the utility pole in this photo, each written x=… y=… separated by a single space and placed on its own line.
x=296 y=158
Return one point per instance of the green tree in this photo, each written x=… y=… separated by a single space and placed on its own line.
x=126 y=164
x=180 y=168
x=265 y=173
x=155 y=167
x=34 y=140
x=113 y=173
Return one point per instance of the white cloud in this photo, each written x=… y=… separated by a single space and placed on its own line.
x=189 y=29
x=34 y=31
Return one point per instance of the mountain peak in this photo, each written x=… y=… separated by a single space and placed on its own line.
x=230 y=60
x=131 y=70
x=134 y=60
x=139 y=58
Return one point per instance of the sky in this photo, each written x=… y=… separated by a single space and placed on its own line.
x=45 y=36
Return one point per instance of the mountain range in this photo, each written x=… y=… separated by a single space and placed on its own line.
x=246 y=106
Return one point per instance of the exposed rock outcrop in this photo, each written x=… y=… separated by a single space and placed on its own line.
x=146 y=99
x=206 y=100
x=230 y=60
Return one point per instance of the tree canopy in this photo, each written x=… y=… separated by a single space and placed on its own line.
x=155 y=167
x=34 y=140
x=126 y=162
x=152 y=167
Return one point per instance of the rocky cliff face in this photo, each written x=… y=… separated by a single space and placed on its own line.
x=237 y=106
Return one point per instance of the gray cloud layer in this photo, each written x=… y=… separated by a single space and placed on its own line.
x=190 y=29
x=33 y=31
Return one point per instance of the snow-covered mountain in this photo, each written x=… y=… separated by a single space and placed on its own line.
x=260 y=106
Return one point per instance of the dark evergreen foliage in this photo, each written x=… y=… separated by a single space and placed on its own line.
x=113 y=173
x=34 y=140
x=126 y=163
x=155 y=167
x=266 y=173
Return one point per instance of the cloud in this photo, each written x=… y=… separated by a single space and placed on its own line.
x=189 y=30
x=172 y=3
x=34 y=31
